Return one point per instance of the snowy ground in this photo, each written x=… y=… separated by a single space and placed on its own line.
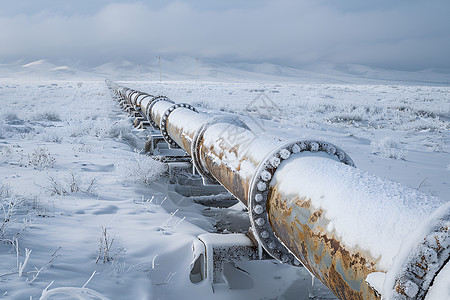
x=69 y=171
x=396 y=131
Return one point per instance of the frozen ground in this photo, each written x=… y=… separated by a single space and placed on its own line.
x=396 y=131
x=69 y=179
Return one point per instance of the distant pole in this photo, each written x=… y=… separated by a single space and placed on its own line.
x=196 y=68
x=159 y=60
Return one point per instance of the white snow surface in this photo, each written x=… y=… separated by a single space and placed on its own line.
x=376 y=280
x=67 y=155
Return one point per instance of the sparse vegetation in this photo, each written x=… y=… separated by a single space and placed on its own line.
x=141 y=168
x=10 y=205
x=105 y=244
x=70 y=182
x=389 y=148
x=49 y=115
x=41 y=158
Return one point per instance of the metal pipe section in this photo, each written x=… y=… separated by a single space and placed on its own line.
x=363 y=236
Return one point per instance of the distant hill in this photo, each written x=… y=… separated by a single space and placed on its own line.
x=184 y=68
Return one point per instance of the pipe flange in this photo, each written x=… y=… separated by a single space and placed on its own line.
x=138 y=103
x=198 y=136
x=139 y=94
x=425 y=261
x=148 y=112
x=130 y=95
x=259 y=192
x=163 y=123
x=124 y=93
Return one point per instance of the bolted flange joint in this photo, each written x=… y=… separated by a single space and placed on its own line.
x=425 y=261
x=148 y=112
x=139 y=101
x=137 y=95
x=163 y=124
x=259 y=192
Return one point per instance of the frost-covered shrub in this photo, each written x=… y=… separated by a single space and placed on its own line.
x=118 y=129
x=76 y=128
x=6 y=153
x=102 y=128
x=53 y=135
x=105 y=244
x=122 y=131
x=5 y=191
x=10 y=117
x=140 y=168
x=422 y=124
x=46 y=116
x=389 y=148
x=3 y=130
x=41 y=158
x=346 y=118
x=432 y=145
x=9 y=205
x=69 y=183
x=83 y=148
x=42 y=209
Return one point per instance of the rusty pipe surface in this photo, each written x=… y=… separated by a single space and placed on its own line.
x=308 y=203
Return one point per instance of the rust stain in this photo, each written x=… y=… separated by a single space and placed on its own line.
x=181 y=137
x=315 y=216
x=303 y=202
x=340 y=287
x=229 y=179
x=439 y=246
x=400 y=288
x=316 y=258
x=235 y=149
x=342 y=270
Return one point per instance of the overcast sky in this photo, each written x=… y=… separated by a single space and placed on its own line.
x=396 y=34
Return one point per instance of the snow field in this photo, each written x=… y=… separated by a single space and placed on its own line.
x=66 y=161
x=94 y=219
x=397 y=128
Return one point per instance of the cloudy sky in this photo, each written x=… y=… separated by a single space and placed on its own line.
x=396 y=34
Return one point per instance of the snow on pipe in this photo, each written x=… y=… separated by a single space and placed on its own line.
x=363 y=236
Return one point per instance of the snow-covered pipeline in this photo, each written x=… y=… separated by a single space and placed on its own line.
x=363 y=236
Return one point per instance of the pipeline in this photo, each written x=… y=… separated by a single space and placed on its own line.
x=363 y=236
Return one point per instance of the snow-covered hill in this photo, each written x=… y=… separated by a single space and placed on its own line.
x=188 y=69
x=42 y=69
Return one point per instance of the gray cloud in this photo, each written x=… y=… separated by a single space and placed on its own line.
x=402 y=35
